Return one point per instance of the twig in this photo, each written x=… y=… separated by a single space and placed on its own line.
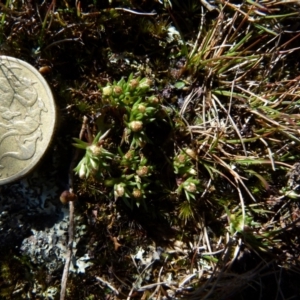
x=231 y=121
x=134 y=286
x=64 y=41
x=197 y=247
x=186 y=279
x=270 y=153
x=242 y=204
x=208 y=6
x=130 y=293
x=150 y=286
x=136 y=12
x=206 y=238
x=199 y=34
x=69 y=252
x=107 y=284
x=158 y=283
x=64 y=278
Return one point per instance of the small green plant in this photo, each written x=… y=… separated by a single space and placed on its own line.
x=127 y=166
x=124 y=166
x=188 y=183
x=130 y=98
x=183 y=164
x=96 y=158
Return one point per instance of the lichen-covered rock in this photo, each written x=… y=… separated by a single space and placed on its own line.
x=48 y=247
x=34 y=225
x=29 y=204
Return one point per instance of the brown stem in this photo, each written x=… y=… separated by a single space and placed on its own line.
x=64 y=278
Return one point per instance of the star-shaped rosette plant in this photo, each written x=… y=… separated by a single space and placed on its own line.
x=95 y=158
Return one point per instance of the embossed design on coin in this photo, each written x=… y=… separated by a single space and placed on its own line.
x=27 y=118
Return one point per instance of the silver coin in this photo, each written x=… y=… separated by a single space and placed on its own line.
x=27 y=118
